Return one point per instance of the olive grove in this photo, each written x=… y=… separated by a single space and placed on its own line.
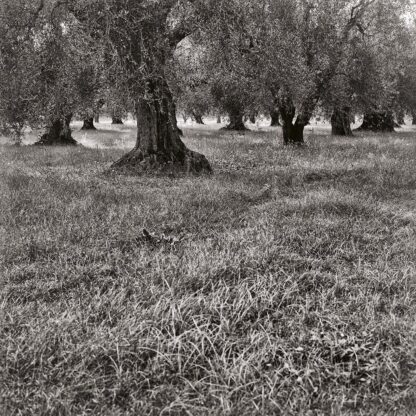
x=285 y=58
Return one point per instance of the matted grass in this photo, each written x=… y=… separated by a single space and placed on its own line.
x=299 y=300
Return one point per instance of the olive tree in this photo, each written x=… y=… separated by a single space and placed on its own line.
x=141 y=36
x=306 y=43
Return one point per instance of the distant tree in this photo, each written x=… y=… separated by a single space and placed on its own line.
x=234 y=78
x=406 y=100
x=306 y=47
x=116 y=120
x=43 y=59
x=19 y=66
x=189 y=79
x=230 y=98
x=383 y=53
x=89 y=84
x=118 y=100
x=274 y=116
x=88 y=124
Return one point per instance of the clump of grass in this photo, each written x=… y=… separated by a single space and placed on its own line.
x=301 y=301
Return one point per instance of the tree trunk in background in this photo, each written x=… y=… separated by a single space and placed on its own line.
x=292 y=132
x=219 y=119
x=274 y=115
x=116 y=120
x=400 y=118
x=378 y=121
x=159 y=148
x=58 y=133
x=414 y=119
x=341 y=122
x=97 y=117
x=197 y=117
x=236 y=116
x=88 y=124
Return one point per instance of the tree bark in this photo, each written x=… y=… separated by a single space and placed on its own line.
x=159 y=148
x=58 y=133
x=274 y=115
x=292 y=132
x=236 y=116
x=97 y=117
x=341 y=121
x=414 y=119
x=400 y=118
x=218 y=119
x=116 y=120
x=88 y=124
x=378 y=121
x=197 y=117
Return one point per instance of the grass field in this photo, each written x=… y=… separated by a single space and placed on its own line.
x=288 y=286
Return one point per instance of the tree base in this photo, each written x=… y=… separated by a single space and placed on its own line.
x=293 y=134
x=117 y=120
x=378 y=122
x=58 y=133
x=275 y=119
x=198 y=118
x=235 y=127
x=137 y=163
x=88 y=124
x=341 y=122
x=47 y=140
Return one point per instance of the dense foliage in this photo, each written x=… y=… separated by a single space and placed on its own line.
x=240 y=57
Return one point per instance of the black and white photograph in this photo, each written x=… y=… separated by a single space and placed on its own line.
x=207 y=207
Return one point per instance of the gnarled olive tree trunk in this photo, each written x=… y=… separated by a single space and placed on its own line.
x=274 y=115
x=251 y=117
x=197 y=117
x=88 y=124
x=236 y=116
x=341 y=121
x=158 y=145
x=58 y=133
x=400 y=118
x=378 y=121
x=116 y=120
x=145 y=36
x=293 y=133
x=292 y=130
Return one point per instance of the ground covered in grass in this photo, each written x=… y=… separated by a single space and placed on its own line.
x=286 y=284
